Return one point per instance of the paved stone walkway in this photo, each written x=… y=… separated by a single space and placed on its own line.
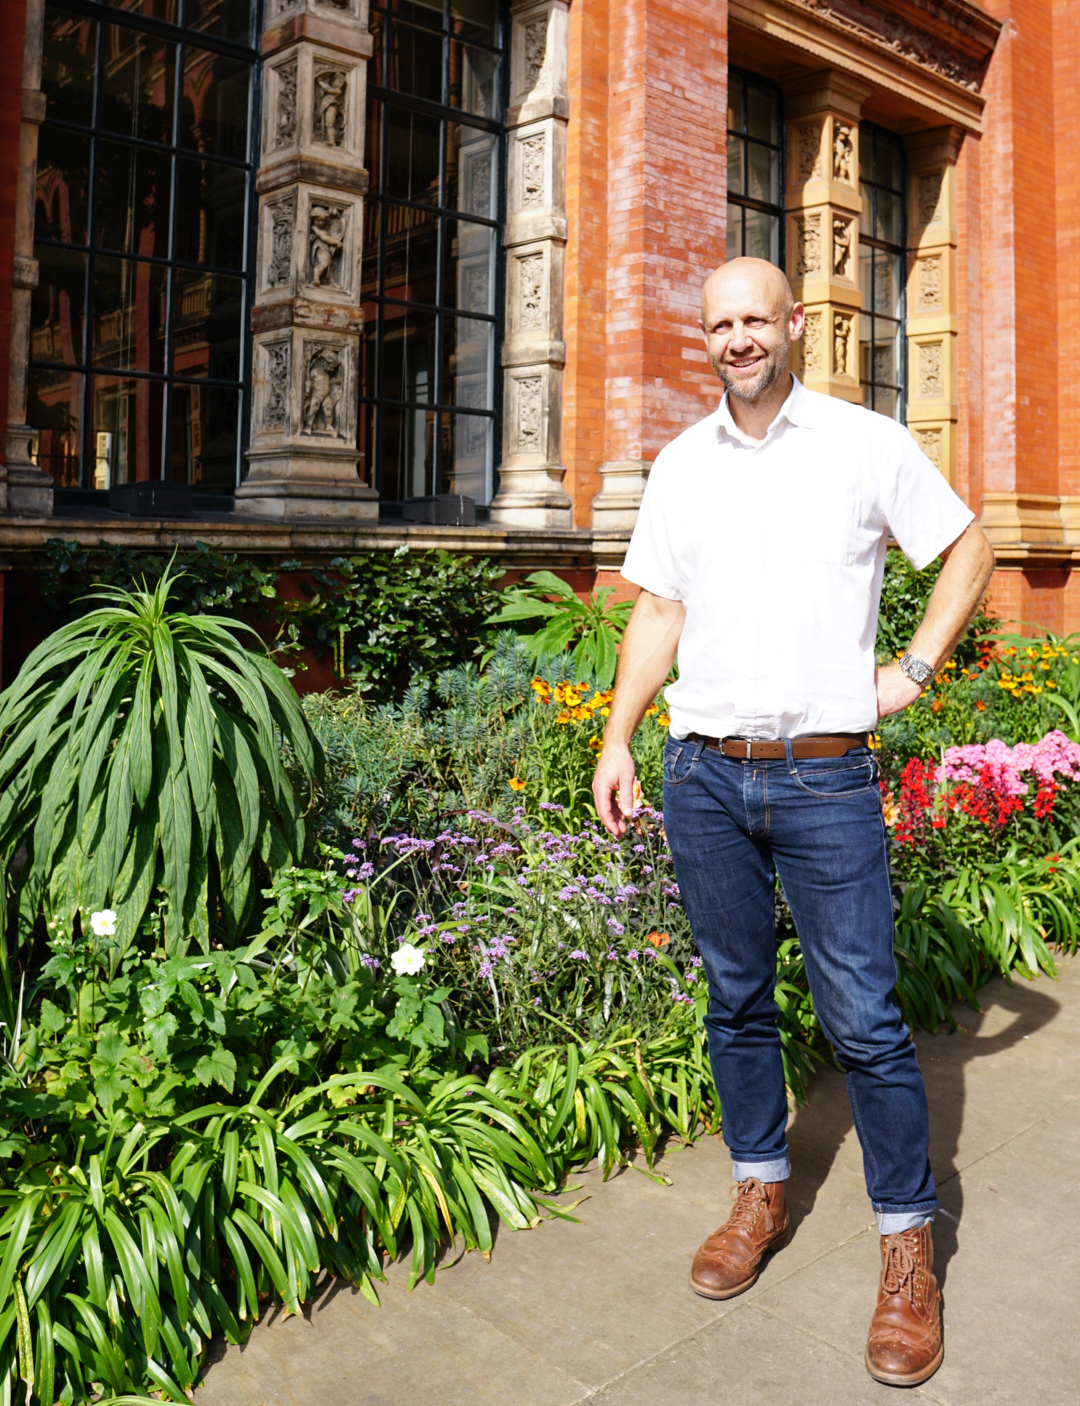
x=601 y=1311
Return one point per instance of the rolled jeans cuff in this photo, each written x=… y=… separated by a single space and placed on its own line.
x=775 y=1169
x=893 y=1222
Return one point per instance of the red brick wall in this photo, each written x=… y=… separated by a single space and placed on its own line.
x=1066 y=88
x=11 y=66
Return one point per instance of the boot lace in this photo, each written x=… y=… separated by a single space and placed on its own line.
x=750 y=1199
x=898 y=1275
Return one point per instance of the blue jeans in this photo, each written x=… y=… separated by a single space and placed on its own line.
x=734 y=825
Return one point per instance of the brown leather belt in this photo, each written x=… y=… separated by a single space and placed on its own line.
x=835 y=744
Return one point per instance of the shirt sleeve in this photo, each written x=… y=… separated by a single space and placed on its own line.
x=650 y=561
x=922 y=511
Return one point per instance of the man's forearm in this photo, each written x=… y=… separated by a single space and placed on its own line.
x=964 y=578
x=648 y=649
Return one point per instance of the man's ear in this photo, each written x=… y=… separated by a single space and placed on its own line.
x=796 y=321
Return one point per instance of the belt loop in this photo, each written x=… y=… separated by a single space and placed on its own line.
x=749 y=749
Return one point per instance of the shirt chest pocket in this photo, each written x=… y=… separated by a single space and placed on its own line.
x=814 y=517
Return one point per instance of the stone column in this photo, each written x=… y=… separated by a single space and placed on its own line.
x=306 y=321
x=28 y=491
x=531 y=492
x=932 y=320
x=823 y=204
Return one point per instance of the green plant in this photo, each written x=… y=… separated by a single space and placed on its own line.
x=904 y=594
x=592 y=626
x=142 y=747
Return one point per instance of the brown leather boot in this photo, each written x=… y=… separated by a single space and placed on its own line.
x=730 y=1259
x=904 y=1347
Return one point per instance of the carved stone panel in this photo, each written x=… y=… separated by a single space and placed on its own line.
x=808 y=157
x=808 y=244
x=930 y=442
x=323 y=412
x=842 y=344
x=527 y=415
x=329 y=104
x=328 y=244
x=535 y=50
x=533 y=163
x=813 y=359
x=277 y=359
x=281 y=129
x=530 y=301
x=930 y=188
x=930 y=290
x=843 y=247
x=279 y=238
x=843 y=163
x=931 y=372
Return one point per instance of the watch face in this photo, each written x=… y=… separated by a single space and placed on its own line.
x=916 y=670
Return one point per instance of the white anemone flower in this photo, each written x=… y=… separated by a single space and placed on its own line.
x=103 y=923
x=407 y=960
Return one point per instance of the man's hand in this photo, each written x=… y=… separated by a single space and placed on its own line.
x=895 y=691
x=613 y=787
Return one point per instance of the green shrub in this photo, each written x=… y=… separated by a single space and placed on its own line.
x=904 y=594
x=590 y=629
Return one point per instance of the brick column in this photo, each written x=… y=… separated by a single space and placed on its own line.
x=531 y=492
x=307 y=316
x=932 y=321
x=29 y=492
x=823 y=204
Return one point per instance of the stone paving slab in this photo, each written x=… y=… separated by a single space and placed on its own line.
x=601 y=1312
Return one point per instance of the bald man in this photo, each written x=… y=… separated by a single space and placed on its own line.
x=759 y=550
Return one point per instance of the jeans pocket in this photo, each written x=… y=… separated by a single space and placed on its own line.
x=680 y=759
x=835 y=778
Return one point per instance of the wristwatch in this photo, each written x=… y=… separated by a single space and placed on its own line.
x=917 y=670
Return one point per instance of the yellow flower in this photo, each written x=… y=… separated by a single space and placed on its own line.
x=516 y=783
x=889 y=809
x=1044 y=666
x=664 y=720
x=949 y=664
x=651 y=710
x=605 y=712
x=595 y=744
x=563 y=718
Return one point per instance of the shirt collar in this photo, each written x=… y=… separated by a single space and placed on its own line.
x=796 y=410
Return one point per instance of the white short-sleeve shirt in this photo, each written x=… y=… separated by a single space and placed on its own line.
x=776 y=548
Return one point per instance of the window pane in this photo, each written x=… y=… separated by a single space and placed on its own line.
x=405 y=452
x=888 y=162
x=469 y=270
x=762 y=236
x=137 y=96
x=369 y=259
x=736 y=172
x=203 y=436
x=762 y=114
x=475 y=19
x=67 y=66
x=167 y=10
x=207 y=325
x=412 y=162
x=474 y=75
x=408 y=354
x=415 y=62
x=210 y=225
x=471 y=159
x=410 y=254
x=734 y=103
x=424 y=12
x=125 y=430
x=133 y=194
x=229 y=19
x=468 y=363
x=54 y=410
x=734 y=231
x=129 y=314
x=467 y=457
x=215 y=117
x=887 y=221
x=57 y=305
x=63 y=178
x=763 y=172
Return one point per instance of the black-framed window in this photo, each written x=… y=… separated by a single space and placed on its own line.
x=139 y=353
x=882 y=272
x=755 y=168
x=430 y=379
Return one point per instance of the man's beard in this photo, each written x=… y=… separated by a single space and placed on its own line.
x=770 y=370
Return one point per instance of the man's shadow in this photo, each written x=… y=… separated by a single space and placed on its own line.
x=817 y=1130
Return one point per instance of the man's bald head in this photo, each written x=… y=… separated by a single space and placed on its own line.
x=750 y=318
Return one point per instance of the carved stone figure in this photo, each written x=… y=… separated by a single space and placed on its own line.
x=809 y=151
x=323 y=378
x=808 y=240
x=811 y=340
x=535 y=50
x=930 y=282
x=841 y=244
x=882 y=26
x=843 y=154
x=930 y=183
x=285 y=123
x=326 y=243
x=841 y=343
x=532 y=170
x=531 y=291
x=929 y=441
x=276 y=404
x=282 y=223
x=328 y=118
x=527 y=429
x=930 y=368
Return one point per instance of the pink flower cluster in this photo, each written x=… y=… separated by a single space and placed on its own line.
x=1054 y=755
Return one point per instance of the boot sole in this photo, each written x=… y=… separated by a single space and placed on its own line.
x=784 y=1240
x=907 y=1378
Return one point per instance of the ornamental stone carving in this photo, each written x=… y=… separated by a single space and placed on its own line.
x=841 y=344
x=842 y=247
x=529 y=413
x=809 y=159
x=531 y=292
x=811 y=339
x=324 y=385
x=285 y=117
x=808 y=244
x=479 y=194
x=929 y=441
x=282 y=225
x=331 y=91
x=276 y=359
x=532 y=169
x=843 y=154
x=881 y=26
x=930 y=291
x=930 y=369
x=477 y=289
x=535 y=44
x=327 y=231
x=930 y=184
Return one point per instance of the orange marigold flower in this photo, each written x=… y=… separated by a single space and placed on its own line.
x=664 y=720
x=563 y=718
x=980 y=705
x=595 y=743
x=937 y=705
x=651 y=710
x=516 y=783
x=658 y=939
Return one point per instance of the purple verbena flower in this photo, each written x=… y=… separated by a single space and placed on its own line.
x=578 y=956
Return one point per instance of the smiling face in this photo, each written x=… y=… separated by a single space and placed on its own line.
x=750 y=320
